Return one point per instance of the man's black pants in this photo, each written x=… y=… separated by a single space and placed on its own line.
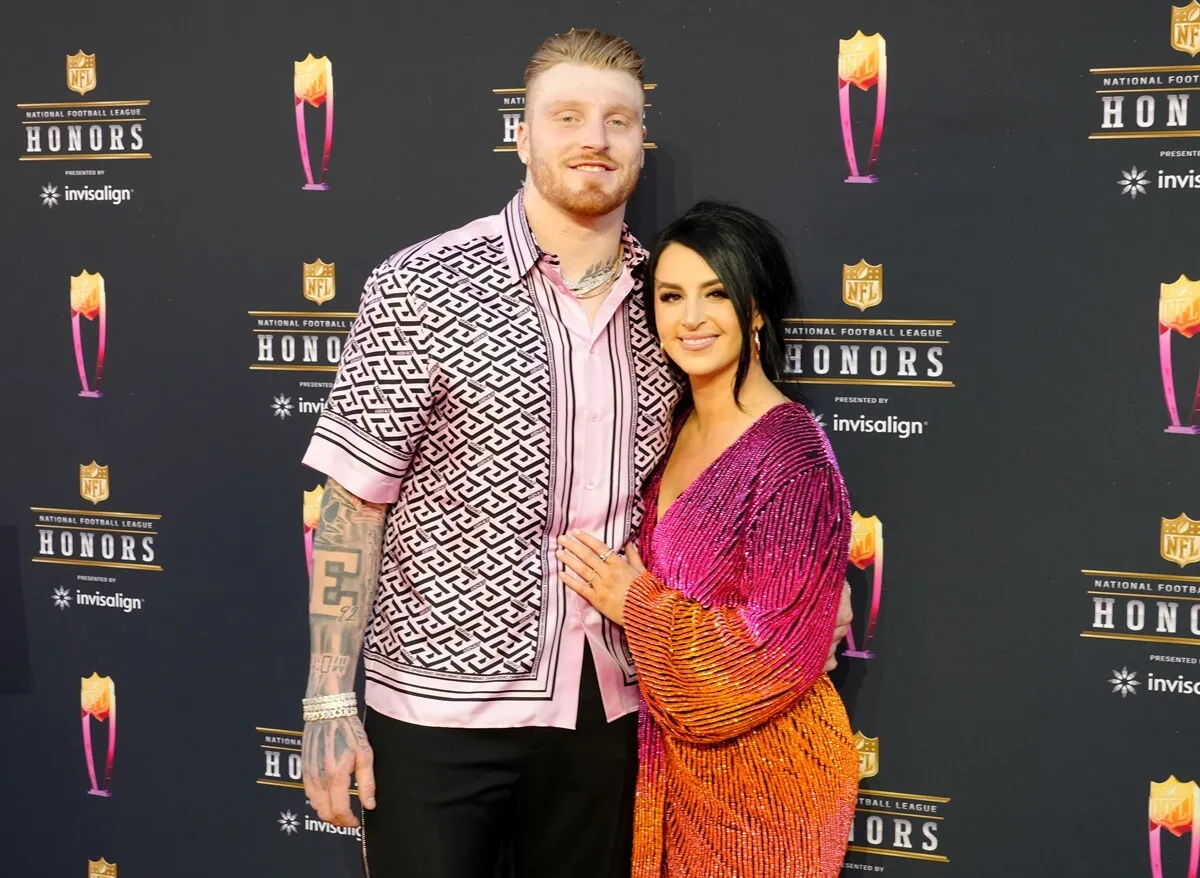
x=527 y=802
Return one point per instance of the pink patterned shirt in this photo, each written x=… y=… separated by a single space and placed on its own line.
x=474 y=398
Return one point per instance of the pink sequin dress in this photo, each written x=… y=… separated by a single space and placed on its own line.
x=748 y=766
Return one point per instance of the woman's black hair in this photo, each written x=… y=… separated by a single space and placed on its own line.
x=748 y=256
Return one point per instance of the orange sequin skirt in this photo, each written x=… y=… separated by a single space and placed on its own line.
x=776 y=802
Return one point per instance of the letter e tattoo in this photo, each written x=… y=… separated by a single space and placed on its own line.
x=331 y=568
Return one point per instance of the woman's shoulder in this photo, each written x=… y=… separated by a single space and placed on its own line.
x=789 y=443
x=794 y=433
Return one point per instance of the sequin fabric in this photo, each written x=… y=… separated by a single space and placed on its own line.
x=747 y=764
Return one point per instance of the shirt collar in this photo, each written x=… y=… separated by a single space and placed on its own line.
x=522 y=248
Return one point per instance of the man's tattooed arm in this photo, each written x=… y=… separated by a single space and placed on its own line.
x=347 y=547
x=346 y=554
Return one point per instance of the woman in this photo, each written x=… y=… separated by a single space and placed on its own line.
x=747 y=763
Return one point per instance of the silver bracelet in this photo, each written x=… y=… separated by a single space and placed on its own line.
x=323 y=707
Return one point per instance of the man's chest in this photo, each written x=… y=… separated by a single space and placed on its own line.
x=508 y=361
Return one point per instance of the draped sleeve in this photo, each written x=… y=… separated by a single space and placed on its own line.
x=709 y=674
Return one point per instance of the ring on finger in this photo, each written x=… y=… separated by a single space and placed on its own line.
x=607 y=552
x=591 y=573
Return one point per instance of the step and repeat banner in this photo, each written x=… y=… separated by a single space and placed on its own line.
x=991 y=211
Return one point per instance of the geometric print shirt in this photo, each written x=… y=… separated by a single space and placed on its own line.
x=474 y=398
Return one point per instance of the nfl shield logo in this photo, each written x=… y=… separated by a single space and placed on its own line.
x=87 y=291
x=859 y=59
x=1180 y=540
x=93 y=482
x=1185 y=28
x=319 y=279
x=312 y=79
x=866 y=537
x=312 y=507
x=862 y=285
x=81 y=72
x=868 y=755
x=97 y=696
x=1173 y=805
x=1179 y=306
x=101 y=868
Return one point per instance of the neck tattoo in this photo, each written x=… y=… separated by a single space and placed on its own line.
x=596 y=278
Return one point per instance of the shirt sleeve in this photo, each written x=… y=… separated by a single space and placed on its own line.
x=378 y=410
x=709 y=674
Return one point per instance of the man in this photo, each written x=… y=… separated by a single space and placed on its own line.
x=499 y=388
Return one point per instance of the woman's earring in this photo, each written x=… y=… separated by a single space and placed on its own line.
x=757 y=340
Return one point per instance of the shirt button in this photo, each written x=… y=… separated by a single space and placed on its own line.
x=594 y=416
x=590 y=484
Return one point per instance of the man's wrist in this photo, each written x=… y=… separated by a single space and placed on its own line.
x=324 y=707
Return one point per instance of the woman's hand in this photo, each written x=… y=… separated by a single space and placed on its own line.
x=598 y=573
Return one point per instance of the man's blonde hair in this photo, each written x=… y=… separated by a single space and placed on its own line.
x=589 y=47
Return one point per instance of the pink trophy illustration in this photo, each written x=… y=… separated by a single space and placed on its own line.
x=862 y=62
x=866 y=550
x=88 y=301
x=1174 y=806
x=313 y=85
x=98 y=700
x=1178 y=311
x=312 y=514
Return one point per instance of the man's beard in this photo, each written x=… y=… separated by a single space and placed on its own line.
x=590 y=201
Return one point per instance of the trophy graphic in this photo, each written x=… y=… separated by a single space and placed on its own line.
x=866 y=550
x=81 y=72
x=312 y=514
x=1185 y=28
x=313 y=85
x=98 y=699
x=1174 y=806
x=1178 y=311
x=88 y=301
x=862 y=62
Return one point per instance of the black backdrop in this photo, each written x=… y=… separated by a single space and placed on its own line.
x=1003 y=740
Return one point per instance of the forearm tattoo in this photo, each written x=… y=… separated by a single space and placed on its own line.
x=329 y=663
x=346 y=554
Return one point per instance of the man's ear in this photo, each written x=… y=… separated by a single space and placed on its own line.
x=523 y=141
